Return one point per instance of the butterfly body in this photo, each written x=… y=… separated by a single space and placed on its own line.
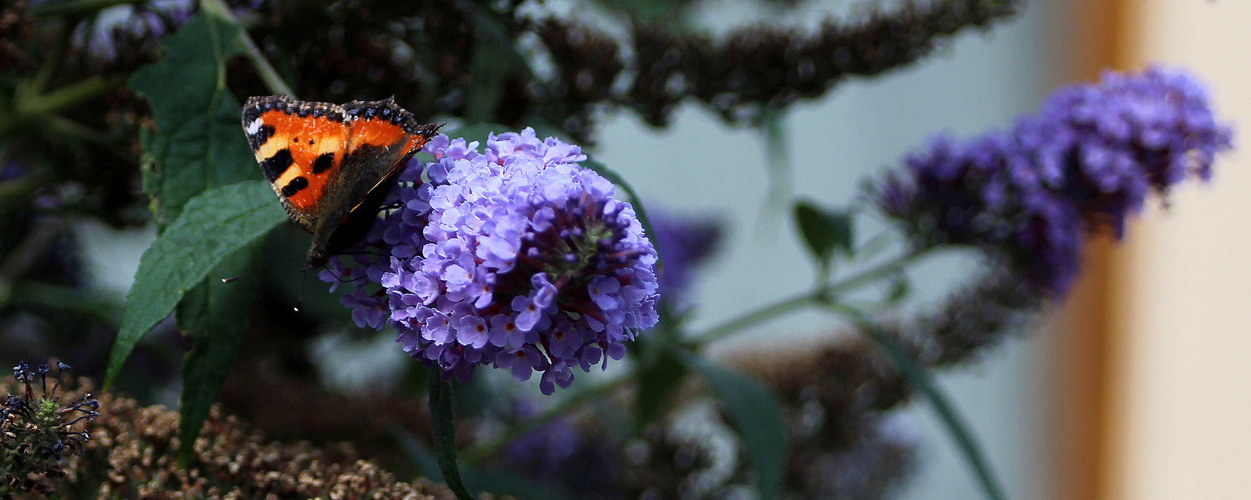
x=331 y=165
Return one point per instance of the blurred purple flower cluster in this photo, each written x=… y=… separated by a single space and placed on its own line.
x=514 y=257
x=685 y=242
x=126 y=28
x=1086 y=162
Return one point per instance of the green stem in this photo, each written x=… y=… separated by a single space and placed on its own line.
x=873 y=274
x=266 y=71
x=773 y=123
x=32 y=246
x=443 y=425
x=821 y=293
x=65 y=97
x=760 y=315
x=51 y=62
x=63 y=298
x=263 y=68
x=872 y=246
x=481 y=452
x=70 y=128
x=920 y=377
x=16 y=192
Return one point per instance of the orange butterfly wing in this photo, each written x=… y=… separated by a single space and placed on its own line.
x=331 y=165
x=300 y=147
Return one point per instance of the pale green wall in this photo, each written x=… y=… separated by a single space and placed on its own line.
x=861 y=128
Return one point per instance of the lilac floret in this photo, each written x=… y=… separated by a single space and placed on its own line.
x=514 y=257
x=1085 y=163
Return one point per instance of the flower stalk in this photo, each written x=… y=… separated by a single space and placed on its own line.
x=442 y=420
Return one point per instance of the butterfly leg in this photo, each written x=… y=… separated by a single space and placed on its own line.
x=342 y=279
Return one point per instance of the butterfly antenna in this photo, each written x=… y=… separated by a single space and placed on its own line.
x=263 y=267
x=369 y=251
x=299 y=301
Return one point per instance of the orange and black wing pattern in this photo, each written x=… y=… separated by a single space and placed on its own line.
x=323 y=159
x=382 y=137
x=300 y=147
x=331 y=164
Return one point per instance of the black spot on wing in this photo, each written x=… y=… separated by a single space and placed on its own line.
x=275 y=165
x=251 y=113
x=323 y=163
x=261 y=137
x=294 y=186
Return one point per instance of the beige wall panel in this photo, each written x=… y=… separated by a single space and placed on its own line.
x=1180 y=422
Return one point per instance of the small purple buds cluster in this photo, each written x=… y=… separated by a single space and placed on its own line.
x=1086 y=162
x=515 y=257
x=37 y=431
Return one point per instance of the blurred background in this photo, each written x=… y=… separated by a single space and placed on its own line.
x=1136 y=386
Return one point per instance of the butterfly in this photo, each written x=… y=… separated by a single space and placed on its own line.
x=331 y=165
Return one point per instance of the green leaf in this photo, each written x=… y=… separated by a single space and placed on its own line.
x=495 y=61
x=215 y=315
x=490 y=68
x=824 y=232
x=494 y=28
x=419 y=455
x=920 y=377
x=197 y=145
x=101 y=306
x=757 y=417
x=660 y=374
x=198 y=142
x=212 y=226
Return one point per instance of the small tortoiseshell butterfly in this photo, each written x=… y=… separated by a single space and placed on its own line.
x=330 y=165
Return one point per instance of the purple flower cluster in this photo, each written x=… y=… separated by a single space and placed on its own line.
x=125 y=27
x=1085 y=163
x=544 y=449
x=514 y=257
